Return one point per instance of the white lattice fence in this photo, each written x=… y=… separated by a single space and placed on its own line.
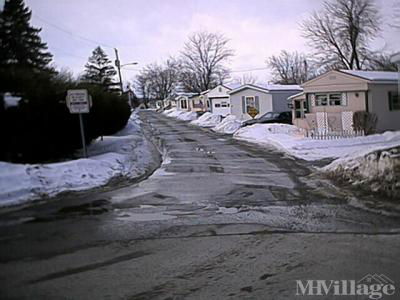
x=347 y=120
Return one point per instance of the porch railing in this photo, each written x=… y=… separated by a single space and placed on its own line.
x=318 y=134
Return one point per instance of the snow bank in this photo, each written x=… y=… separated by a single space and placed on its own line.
x=174 y=113
x=126 y=154
x=378 y=169
x=187 y=116
x=168 y=111
x=229 y=125
x=289 y=139
x=180 y=114
x=207 y=120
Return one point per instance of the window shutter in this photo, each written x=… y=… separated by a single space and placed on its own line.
x=344 y=99
x=243 y=105
x=257 y=103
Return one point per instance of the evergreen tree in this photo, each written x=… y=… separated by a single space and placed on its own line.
x=100 y=71
x=20 y=43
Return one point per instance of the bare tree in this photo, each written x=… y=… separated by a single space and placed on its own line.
x=340 y=33
x=203 y=59
x=381 y=62
x=158 y=81
x=395 y=19
x=246 y=78
x=290 y=68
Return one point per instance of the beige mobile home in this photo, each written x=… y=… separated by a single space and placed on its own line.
x=184 y=101
x=198 y=103
x=329 y=101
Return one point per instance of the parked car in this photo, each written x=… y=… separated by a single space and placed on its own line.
x=271 y=117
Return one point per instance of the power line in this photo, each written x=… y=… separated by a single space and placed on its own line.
x=71 y=33
x=250 y=70
x=63 y=52
x=108 y=46
x=234 y=71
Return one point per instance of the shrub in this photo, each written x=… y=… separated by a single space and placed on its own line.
x=40 y=128
x=365 y=121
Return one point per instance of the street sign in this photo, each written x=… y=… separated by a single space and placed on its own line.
x=252 y=111
x=78 y=101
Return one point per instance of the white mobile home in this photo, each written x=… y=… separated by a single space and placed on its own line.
x=263 y=97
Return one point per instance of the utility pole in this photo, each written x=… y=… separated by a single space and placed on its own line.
x=118 y=65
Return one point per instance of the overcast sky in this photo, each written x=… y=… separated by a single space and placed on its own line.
x=148 y=31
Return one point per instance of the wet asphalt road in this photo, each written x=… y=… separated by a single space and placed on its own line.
x=220 y=219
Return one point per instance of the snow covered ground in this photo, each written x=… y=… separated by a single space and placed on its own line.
x=289 y=139
x=187 y=116
x=379 y=169
x=125 y=154
x=229 y=125
x=180 y=115
x=207 y=120
x=373 y=161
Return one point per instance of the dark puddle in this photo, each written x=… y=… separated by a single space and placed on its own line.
x=95 y=207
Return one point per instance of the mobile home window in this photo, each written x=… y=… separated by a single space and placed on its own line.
x=321 y=99
x=298 y=109
x=335 y=99
x=394 y=101
x=183 y=104
x=224 y=104
x=217 y=105
x=250 y=102
x=328 y=99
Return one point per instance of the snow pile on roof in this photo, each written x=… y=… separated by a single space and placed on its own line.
x=289 y=139
x=10 y=100
x=374 y=75
x=232 y=85
x=127 y=154
x=270 y=87
x=278 y=87
x=185 y=94
x=229 y=125
x=207 y=120
x=187 y=116
x=379 y=169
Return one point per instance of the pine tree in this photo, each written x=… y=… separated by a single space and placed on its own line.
x=100 y=71
x=20 y=43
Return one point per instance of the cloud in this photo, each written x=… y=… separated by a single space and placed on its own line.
x=151 y=30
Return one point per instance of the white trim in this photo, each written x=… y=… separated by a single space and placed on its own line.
x=243 y=87
x=296 y=95
x=245 y=102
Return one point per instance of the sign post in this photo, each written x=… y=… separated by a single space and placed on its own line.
x=79 y=102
